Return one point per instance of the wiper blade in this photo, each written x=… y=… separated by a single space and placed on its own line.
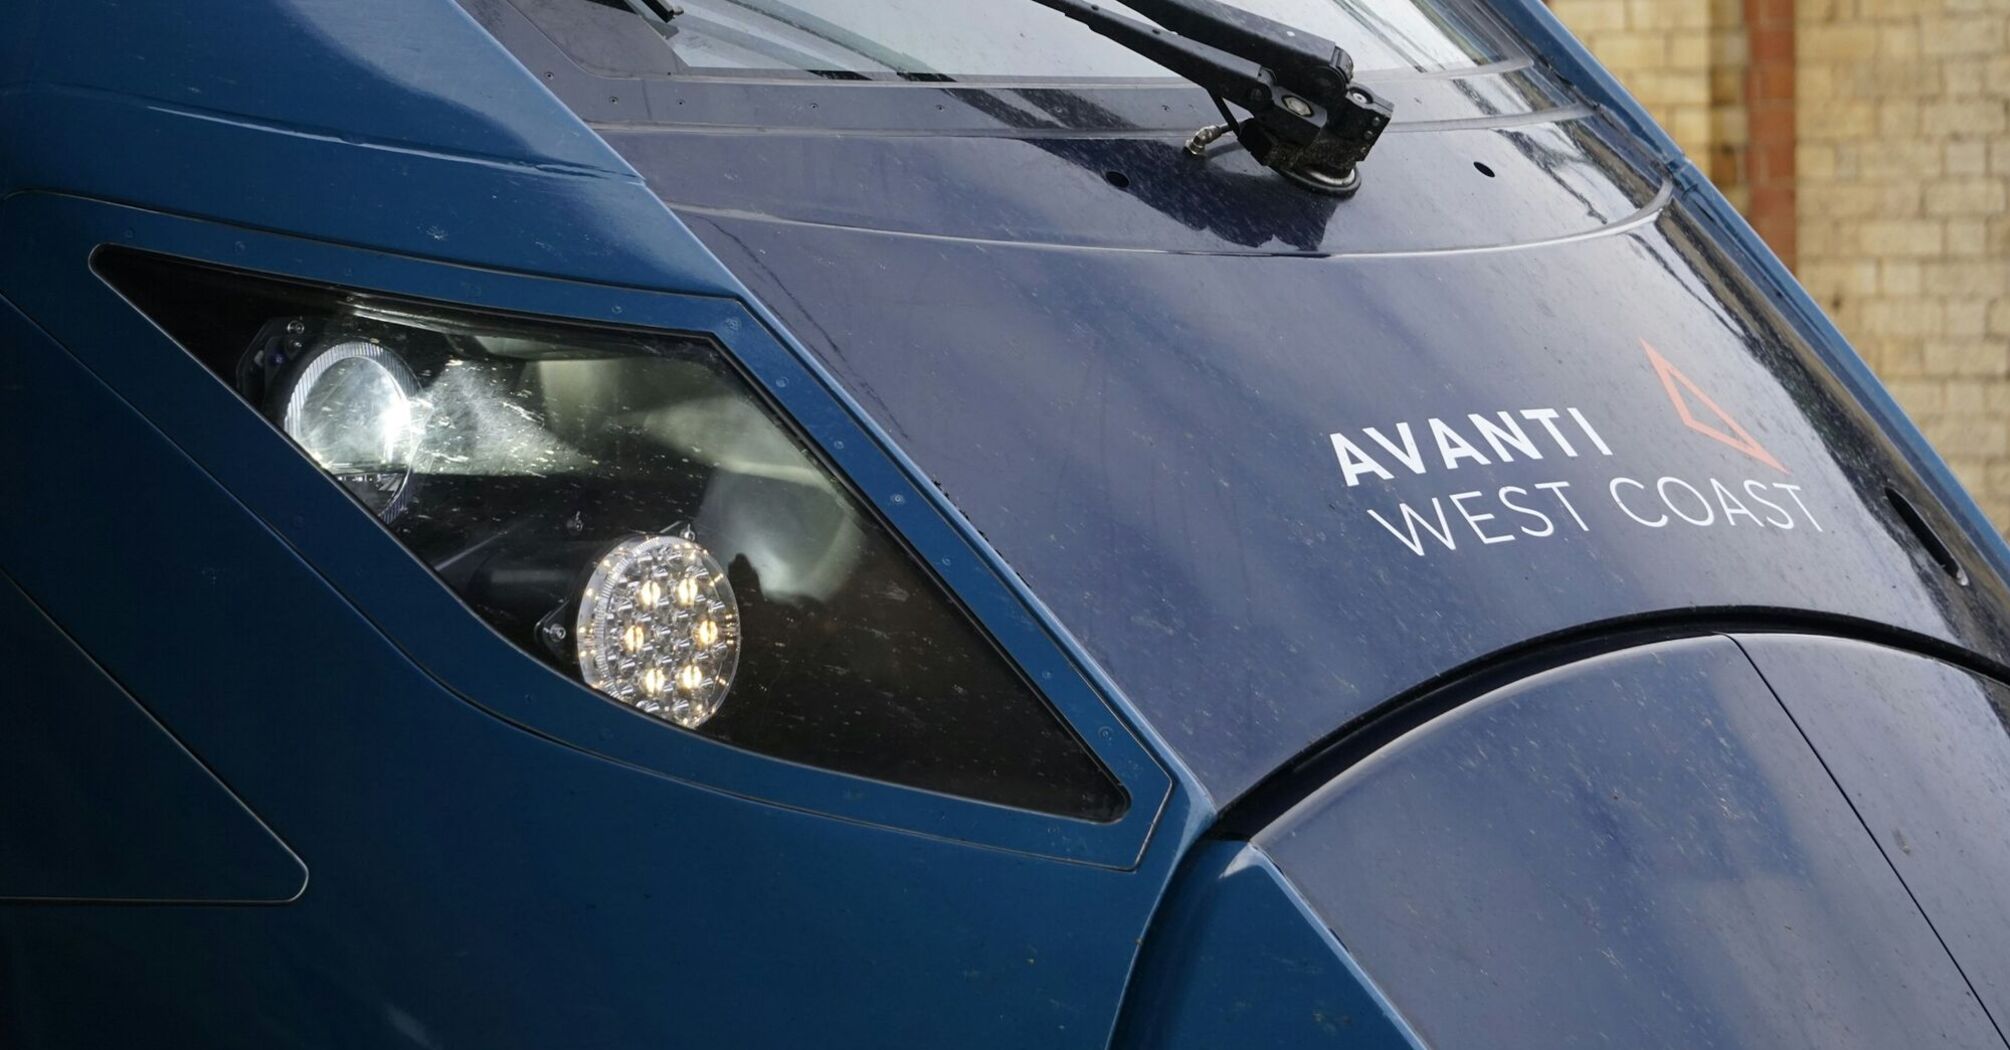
x=1308 y=120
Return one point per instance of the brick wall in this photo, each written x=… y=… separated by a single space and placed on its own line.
x=1903 y=161
x=1869 y=142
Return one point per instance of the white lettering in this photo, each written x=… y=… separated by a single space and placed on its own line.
x=1406 y=455
x=1585 y=425
x=1787 y=520
x=1556 y=488
x=1548 y=526
x=1354 y=462
x=1459 y=502
x=1795 y=492
x=1547 y=417
x=1506 y=433
x=1452 y=447
x=1733 y=506
x=1443 y=533
x=1710 y=513
x=1628 y=511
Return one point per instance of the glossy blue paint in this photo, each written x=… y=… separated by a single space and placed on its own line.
x=1111 y=380
x=1145 y=435
x=1102 y=415
x=99 y=803
x=1921 y=748
x=242 y=451
x=1238 y=959
x=1637 y=850
x=460 y=861
x=440 y=889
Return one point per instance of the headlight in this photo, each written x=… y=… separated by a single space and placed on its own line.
x=659 y=629
x=349 y=406
x=625 y=507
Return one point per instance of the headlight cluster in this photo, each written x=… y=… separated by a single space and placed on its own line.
x=658 y=629
x=624 y=506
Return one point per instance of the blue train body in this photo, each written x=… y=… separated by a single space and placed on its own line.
x=1495 y=609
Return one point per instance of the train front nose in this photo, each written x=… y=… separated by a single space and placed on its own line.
x=1640 y=849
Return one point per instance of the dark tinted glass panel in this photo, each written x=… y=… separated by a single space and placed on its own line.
x=625 y=506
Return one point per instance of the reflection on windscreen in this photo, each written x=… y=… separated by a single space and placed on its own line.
x=977 y=39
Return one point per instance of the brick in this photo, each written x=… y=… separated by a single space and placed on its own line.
x=1966 y=158
x=1966 y=117
x=1966 y=317
x=1896 y=119
x=1838 y=43
x=1997 y=241
x=1730 y=50
x=1976 y=197
x=1762 y=14
x=1897 y=78
x=1968 y=357
x=1968 y=399
x=1817 y=161
x=1903 y=359
x=1965 y=398
x=1961 y=77
x=1920 y=395
x=1996 y=76
x=1899 y=160
x=1983 y=279
x=1818 y=239
x=1911 y=237
x=1810 y=81
x=1689 y=50
x=1691 y=127
x=1856 y=121
x=1962 y=35
x=1633 y=51
x=1902 y=317
x=1967 y=237
x=1899 y=43
x=1879 y=10
x=1772 y=165
x=1899 y=276
x=1729 y=126
x=1591 y=16
x=1974 y=436
x=1970 y=472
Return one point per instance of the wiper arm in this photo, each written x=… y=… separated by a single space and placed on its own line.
x=1308 y=120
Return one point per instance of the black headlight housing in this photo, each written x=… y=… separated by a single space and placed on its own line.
x=634 y=484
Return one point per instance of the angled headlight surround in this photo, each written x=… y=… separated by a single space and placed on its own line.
x=535 y=450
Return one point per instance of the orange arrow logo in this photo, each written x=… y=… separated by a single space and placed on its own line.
x=1730 y=433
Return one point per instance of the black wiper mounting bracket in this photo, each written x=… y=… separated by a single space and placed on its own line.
x=1308 y=120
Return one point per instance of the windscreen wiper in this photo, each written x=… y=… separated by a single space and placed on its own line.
x=1308 y=120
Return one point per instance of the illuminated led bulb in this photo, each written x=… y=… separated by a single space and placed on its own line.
x=350 y=406
x=672 y=659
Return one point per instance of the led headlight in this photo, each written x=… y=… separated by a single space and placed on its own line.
x=349 y=406
x=658 y=629
x=533 y=465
